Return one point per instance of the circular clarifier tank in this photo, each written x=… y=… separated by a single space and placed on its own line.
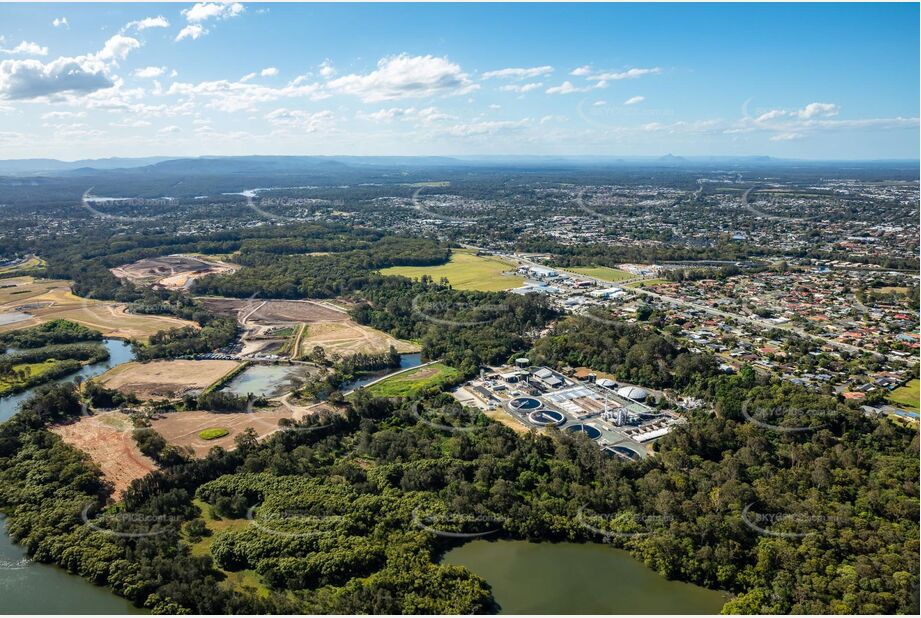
x=588 y=430
x=546 y=417
x=525 y=403
x=623 y=451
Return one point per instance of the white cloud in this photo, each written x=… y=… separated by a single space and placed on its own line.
x=521 y=88
x=581 y=71
x=191 y=32
x=170 y=129
x=149 y=72
x=818 y=109
x=424 y=117
x=553 y=118
x=62 y=115
x=60 y=22
x=634 y=100
x=30 y=79
x=203 y=11
x=269 y=72
x=118 y=47
x=27 y=48
x=404 y=76
x=599 y=103
x=785 y=137
x=567 y=87
x=148 y=22
x=519 y=73
x=486 y=127
x=309 y=122
x=619 y=75
x=326 y=69
x=240 y=95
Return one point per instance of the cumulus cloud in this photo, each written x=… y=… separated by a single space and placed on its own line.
x=191 y=32
x=327 y=69
x=581 y=71
x=26 y=48
x=814 y=110
x=634 y=100
x=148 y=22
x=490 y=127
x=30 y=79
x=203 y=12
x=60 y=22
x=424 y=116
x=170 y=129
x=404 y=76
x=268 y=72
x=231 y=96
x=149 y=72
x=519 y=73
x=62 y=115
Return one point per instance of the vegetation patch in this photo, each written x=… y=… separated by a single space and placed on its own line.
x=907 y=396
x=213 y=433
x=411 y=383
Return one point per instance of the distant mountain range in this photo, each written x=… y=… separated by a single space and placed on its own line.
x=292 y=164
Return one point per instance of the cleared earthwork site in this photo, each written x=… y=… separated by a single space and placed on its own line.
x=297 y=326
x=166 y=379
x=107 y=438
x=185 y=428
x=26 y=301
x=172 y=272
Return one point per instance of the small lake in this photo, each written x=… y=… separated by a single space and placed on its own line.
x=267 y=380
x=407 y=361
x=28 y=587
x=119 y=352
x=578 y=578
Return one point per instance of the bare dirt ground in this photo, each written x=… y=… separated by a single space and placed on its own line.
x=172 y=271
x=276 y=312
x=182 y=428
x=166 y=379
x=107 y=439
x=50 y=299
x=346 y=338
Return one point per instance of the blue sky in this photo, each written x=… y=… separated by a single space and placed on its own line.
x=802 y=80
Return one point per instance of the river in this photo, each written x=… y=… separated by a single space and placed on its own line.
x=119 y=352
x=578 y=578
x=28 y=587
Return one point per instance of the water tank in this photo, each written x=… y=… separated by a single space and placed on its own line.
x=633 y=392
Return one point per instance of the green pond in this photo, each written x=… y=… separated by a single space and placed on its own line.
x=578 y=578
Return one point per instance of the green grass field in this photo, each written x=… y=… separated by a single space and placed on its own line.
x=603 y=272
x=413 y=382
x=213 y=433
x=465 y=271
x=31 y=370
x=907 y=396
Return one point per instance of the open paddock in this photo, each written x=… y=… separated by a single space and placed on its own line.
x=185 y=428
x=43 y=300
x=107 y=439
x=347 y=337
x=166 y=379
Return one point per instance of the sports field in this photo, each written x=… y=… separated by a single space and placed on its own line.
x=466 y=271
x=603 y=272
x=34 y=301
x=412 y=382
x=907 y=396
